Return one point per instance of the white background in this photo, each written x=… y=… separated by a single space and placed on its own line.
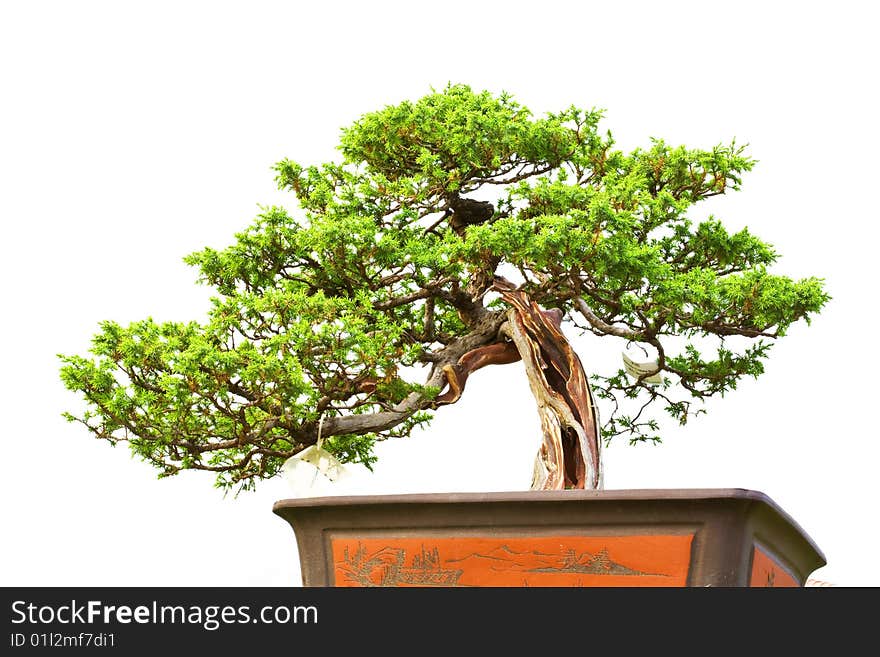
x=132 y=134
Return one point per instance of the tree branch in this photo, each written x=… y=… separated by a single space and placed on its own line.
x=598 y=324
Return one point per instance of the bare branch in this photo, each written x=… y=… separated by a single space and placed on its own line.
x=402 y=301
x=597 y=323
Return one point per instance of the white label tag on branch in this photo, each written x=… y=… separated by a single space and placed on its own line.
x=313 y=465
x=635 y=370
x=324 y=462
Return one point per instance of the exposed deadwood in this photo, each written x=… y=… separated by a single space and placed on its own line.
x=499 y=353
x=569 y=456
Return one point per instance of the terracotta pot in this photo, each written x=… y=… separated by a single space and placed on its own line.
x=714 y=537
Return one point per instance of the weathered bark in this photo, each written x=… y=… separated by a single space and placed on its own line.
x=569 y=455
x=499 y=353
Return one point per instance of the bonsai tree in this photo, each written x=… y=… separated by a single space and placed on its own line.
x=456 y=232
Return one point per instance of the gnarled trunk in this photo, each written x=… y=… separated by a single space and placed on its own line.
x=569 y=455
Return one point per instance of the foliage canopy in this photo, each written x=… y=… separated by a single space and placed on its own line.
x=350 y=313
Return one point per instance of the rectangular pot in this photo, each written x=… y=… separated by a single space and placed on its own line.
x=680 y=537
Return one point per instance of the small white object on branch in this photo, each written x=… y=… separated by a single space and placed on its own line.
x=313 y=465
x=636 y=369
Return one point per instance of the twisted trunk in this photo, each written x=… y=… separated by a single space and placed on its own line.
x=569 y=455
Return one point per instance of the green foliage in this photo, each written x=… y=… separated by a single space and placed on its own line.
x=343 y=314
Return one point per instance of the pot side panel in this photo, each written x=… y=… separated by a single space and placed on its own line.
x=631 y=560
x=767 y=571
